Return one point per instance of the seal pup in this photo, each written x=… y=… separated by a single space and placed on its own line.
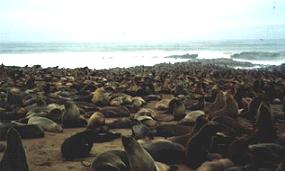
x=198 y=145
x=216 y=165
x=113 y=160
x=14 y=157
x=97 y=119
x=230 y=108
x=45 y=123
x=139 y=159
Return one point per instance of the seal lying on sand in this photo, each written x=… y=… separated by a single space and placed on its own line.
x=45 y=123
x=26 y=131
x=97 y=119
x=113 y=160
x=14 y=158
x=80 y=144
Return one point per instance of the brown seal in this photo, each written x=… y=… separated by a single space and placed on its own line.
x=139 y=159
x=14 y=157
x=97 y=119
x=217 y=105
x=182 y=139
x=230 y=108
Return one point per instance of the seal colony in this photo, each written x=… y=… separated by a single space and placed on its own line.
x=183 y=116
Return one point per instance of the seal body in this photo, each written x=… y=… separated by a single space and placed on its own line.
x=78 y=145
x=45 y=123
x=14 y=157
x=97 y=119
x=139 y=158
x=71 y=116
x=113 y=160
x=166 y=152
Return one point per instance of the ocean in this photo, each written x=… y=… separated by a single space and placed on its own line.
x=111 y=55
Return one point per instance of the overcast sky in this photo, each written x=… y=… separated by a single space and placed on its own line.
x=140 y=20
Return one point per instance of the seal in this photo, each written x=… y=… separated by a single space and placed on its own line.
x=145 y=112
x=80 y=144
x=71 y=116
x=198 y=145
x=265 y=132
x=182 y=139
x=120 y=123
x=139 y=159
x=216 y=165
x=267 y=154
x=177 y=108
x=191 y=117
x=25 y=131
x=253 y=106
x=163 y=104
x=113 y=160
x=99 y=97
x=14 y=157
x=217 y=105
x=230 y=108
x=170 y=130
x=97 y=119
x=115 y=111
x=139 y=130
x=45 y=123
x=166 y=152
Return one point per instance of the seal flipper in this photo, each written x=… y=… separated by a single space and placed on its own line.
x=14 y=157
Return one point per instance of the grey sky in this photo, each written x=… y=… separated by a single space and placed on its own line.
x=144 y=20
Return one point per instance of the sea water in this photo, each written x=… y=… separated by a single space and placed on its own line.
x=111 y=55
